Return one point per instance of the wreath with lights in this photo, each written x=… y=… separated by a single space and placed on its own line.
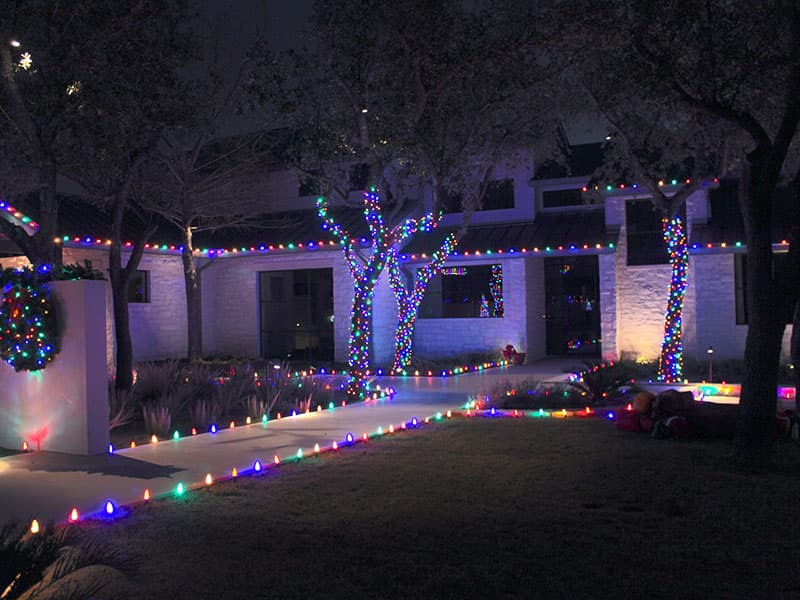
x=29 y=335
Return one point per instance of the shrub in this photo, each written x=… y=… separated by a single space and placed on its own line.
x=602 y=384
x=121 y=407
x=157 y=420
x=204 y=412
x=32 y=565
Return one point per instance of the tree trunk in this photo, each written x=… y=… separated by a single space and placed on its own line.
x=404 y=334
x=360 y=335
x=194 y=317
x=120 y=284
x=795 y=355
x=755 y=425
x=670 y=363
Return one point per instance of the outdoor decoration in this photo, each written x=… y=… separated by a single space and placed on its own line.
x=29 y=338
x=408 y=301
x=496 y=288
x=670 y=364
x=28 y=331
x=365 y=271
x=483 y=311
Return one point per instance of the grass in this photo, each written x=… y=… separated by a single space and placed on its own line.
x=481 y=508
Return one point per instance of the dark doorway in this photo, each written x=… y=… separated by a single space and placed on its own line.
x=572 y=287
x=296 y=314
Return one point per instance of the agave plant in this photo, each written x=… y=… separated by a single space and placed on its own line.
x=157 y=419
x=602 y=384
x=121 y=407
x=34 y=565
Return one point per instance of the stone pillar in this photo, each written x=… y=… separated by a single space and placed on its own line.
x=64 y=407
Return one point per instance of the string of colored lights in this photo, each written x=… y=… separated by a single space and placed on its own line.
x=496 y=288
x=109 y=509
x=635 y=186
x=670 y=363
x=19 y=218
x=576 y=343
x=322 y=245
x=408 y=301
x=365 y=272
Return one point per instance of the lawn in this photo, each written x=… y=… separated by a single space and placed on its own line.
x=480 y=508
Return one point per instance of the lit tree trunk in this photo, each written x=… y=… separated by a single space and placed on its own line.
x=365 y=273
x=191 y=279
x=361 y=334
x=408 y=301
x=670 y=363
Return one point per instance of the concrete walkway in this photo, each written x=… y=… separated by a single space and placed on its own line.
x=47 y=485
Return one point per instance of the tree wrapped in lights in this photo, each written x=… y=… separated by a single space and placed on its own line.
x=365 y=268
x=670 y=363
x=28 y=333
x=408 y=300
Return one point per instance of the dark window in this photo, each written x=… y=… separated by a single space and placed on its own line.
x=275 y=291
x=557 y=198
x=450 y=201
x=359 y=176
x=296 y=314
x=499 y=195
x=780 y=263
x=309 y=186
x=646 y=244
x=465 y=292
x=139 y=288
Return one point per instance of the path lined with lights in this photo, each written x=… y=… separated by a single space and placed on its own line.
x=41 y=487
x=56 y=487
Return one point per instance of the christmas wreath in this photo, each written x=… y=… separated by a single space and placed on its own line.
x=28 y=333
x=29 y=336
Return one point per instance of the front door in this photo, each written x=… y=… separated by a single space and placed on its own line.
x=572 y=307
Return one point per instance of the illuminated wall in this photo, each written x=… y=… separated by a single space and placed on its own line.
x=63 y=408
x=451 y=337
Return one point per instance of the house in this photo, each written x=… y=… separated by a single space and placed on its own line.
x=544 y=266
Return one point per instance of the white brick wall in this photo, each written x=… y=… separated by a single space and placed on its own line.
x=535 y=308
x=607 y=271
x=450 y=337
x=641 y=298
x=234 y=310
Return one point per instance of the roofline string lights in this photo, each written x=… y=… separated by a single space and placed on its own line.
x=670 y=362
x=635 y=186
x=19 y=218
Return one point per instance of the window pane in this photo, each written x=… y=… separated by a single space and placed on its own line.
x=465 y=292
x=499 y=195
x=646 y=244
x=139 y=288
x=556 y=198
